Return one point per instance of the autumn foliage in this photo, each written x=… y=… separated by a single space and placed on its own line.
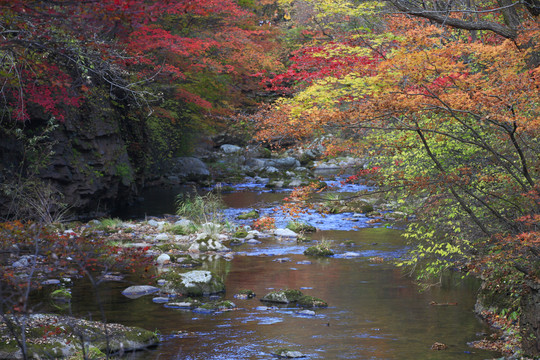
x=55 y=54
x=447 y=111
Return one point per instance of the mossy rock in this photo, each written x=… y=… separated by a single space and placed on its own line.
x=265 y=153
x=286 y=296
x=245 y=294
x=253 y=214
x=360 y=206
x=218 y=305
x=241 y=234
x=311 y=302
x=298 y=227
x=61 y=295
x=318 y=251
x=188 y=261
x=57 y=337
x=194 y=283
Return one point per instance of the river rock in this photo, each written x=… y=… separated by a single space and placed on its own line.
x=66 y=341
x=190 y=168
x=196 y=283
x=161 y=237
x=283 y=296
x=163 y=259
x=290 y=354
x=136 y=291
x=351 y=254
x=256 y=164
x=21 y=263
x=153 y=223
x=285 y=233
x=183 y=222
x=230 y=149
x=284 y=163
x=271 y=170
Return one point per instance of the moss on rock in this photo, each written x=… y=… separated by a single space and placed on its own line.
x=286 y=296
x=51 y=336
x=318 y=251
x=253 y=214
x=298 y=227
x=311 y=302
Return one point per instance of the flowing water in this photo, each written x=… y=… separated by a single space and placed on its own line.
x=374 y=311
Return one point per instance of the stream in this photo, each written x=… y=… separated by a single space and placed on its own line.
x=375 y=312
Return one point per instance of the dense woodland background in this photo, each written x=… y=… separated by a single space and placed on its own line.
x=97 y=97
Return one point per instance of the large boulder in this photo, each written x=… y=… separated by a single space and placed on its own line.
x=190 y=168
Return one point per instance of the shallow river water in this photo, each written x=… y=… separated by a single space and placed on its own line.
x=374 y=311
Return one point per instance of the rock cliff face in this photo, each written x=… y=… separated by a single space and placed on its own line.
x=89 y=164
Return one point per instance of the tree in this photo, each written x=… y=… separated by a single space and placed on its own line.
x=449 y=120
x=163 y=71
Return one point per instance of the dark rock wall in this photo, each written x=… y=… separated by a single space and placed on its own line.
x=89 y=166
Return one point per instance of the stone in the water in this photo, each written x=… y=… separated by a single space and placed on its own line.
x=245 y=294
x=290 y=354
x=304 y=262
x=136 y=291
x=283 y=296
x=281 y=260
x=311 y=302
x=195 y=283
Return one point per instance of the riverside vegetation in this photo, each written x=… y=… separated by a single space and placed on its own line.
x=439 y=107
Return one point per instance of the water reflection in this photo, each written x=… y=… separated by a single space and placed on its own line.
x=374 y=312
